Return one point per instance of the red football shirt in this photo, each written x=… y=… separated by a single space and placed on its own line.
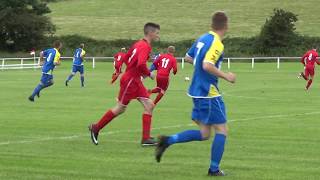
x=118 y=60
x=310 y=58
x=136 y=60
x=164 y=63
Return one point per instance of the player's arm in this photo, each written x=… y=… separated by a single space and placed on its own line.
x=190 y=54
x=83 y=54
x=303 y=59
x=154 y=65
x=211 y=57
x=142 y=63
x=56 y=60
x=175 y=68
x=41 y=55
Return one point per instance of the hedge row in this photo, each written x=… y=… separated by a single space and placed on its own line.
x=234 y=47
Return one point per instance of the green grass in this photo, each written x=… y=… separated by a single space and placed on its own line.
x=273 y=122
x=179 y=19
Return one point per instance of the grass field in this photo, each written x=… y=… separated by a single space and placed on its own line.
x=179 y=19
x=274 y=128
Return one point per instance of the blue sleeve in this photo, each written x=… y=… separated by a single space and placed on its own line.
x=45 y=53
x=191 y=52
x=152 y=67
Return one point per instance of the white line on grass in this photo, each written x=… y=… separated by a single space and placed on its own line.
x=159 y=128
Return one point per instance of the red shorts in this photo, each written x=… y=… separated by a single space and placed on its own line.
x=163 y=82
x=309 y=71
x=131 y=88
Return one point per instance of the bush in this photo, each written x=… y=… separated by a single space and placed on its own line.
x=23 y=25
x=277 y=32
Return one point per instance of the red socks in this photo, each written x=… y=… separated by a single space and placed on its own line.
x=158 y=98
x=155 y=90
x=106 y=118
x=146 y=126
x=309 y=84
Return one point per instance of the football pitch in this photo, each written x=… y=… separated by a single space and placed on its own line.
x=273 y=128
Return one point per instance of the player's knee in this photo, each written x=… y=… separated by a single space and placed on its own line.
x=205 y=134
x=221 y=129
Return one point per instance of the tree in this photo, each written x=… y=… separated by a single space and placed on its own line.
x=278 y=31
x=23 y=24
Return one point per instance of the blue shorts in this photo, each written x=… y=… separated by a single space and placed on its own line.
x=46 y=79
x=76 y=69
x=209 y=111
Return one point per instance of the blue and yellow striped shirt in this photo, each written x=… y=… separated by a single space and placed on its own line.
x=208 y=48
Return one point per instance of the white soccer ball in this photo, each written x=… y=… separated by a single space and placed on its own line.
x=187 y=78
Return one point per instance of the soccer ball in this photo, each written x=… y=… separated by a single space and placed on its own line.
x=187 y=78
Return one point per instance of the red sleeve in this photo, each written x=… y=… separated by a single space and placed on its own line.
x=303 y=57
x=143 y=57
x=175 y=69
x=115 y=56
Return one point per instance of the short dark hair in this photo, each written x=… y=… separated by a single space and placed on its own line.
x=81 y=45
x=219 y=20
x=150 y=27
x=57 y=44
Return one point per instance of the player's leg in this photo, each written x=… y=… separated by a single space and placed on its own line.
x=104 y=120
x=200 y=115
x=311 y=72
x=182 y=137
x=217 y=148
x=163 y=84
x=73 y=72
x=81 y=70
x=46 y=81
x=125 y=95
x=148 y=105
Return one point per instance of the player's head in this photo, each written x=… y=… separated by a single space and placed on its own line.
x=171 y=49
x=123 y=49
x=152 y=31
x=57 y=44
x=81 y=45
x=219 y=22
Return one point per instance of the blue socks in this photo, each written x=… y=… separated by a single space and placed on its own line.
x=37 y=90
x=185 y=136
x=82 y=80
x=217 y=150
x=70 y=77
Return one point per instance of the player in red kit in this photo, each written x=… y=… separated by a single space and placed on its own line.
x=308 y=60
x=131 y=86
x=163 y=64
x=117 y=63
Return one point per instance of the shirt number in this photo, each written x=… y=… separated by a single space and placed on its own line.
x=133 y=53
x=49 y=57
x=199 y=47
x=310 y=57
x=165 y=62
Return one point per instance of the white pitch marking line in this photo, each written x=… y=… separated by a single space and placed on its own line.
x=159 y=128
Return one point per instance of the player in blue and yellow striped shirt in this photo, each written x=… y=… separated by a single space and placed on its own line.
x=208 y=112
x=77 y=66
x=51 y=60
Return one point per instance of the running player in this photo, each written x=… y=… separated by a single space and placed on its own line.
x=208 y=107
x=77 y=66
x=52 y=59
x=163 y=64
x=308 y=60
x=131 y=86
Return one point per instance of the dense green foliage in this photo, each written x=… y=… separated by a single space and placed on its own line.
x=23 y=24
